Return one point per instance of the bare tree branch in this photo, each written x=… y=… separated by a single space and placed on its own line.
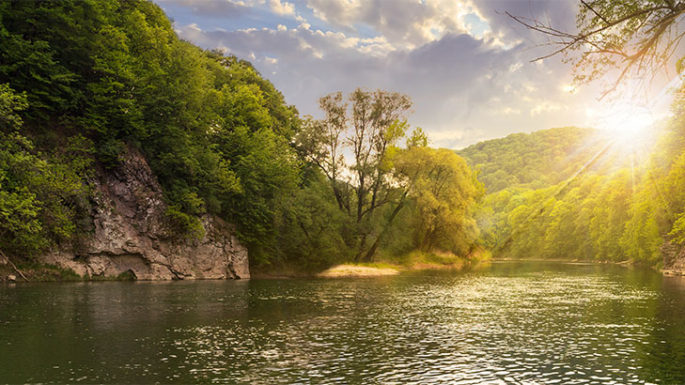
x=634 y=38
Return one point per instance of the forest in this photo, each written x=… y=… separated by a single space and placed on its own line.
x=84 y=82
x=342 y=191
x=571 y=193
x=78 y=91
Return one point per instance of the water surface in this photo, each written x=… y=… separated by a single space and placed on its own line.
x=506 y=323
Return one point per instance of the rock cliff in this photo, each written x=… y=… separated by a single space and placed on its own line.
x=129 y=235
x=674 y=259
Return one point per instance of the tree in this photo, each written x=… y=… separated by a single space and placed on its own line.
x=40 y=200
x=444 y=192
x=101 y=77
x=373 y=180
x=368 y=126
x=636 y=37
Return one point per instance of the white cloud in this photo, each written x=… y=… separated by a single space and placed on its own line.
x=545 y=106
x=470 y=76
x=463 y=88
x=405 y=24
x=282 y=8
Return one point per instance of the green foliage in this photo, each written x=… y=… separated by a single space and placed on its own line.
x=368 y=192
x=444 y=192
x=99 y=76
x=311 y=229
x=40 y=200
x=637 y=37
x=95 y=78
x=389 y=199
x=678 y=230
x=268 y=172
x=534 y=160
x=606 y=212
x=182 y=223
x=617 y=38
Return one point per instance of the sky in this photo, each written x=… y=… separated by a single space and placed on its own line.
x=464 y=63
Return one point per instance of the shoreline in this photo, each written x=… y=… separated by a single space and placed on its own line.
x=48 y=273
x=381 y=269
x=626 y=263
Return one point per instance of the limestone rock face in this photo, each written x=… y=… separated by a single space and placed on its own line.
x=674 y=259
x=129 y=234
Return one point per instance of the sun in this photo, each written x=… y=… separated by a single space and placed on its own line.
x=626 y=120
x=628 y=124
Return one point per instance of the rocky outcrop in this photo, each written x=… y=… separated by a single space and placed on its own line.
x=129 y=234
x=674 y=259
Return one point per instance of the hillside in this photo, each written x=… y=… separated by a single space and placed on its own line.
x=547 y=157
x=83 y=95
x=570 y=193
x=86 y=87
x=538 y=159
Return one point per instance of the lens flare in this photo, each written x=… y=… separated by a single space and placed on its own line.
x=628 y=125
x=626 y=120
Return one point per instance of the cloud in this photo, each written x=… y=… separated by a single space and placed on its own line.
x=466 y=65
x=281 y=8
x=464 y=88
x=404 y=23
x=559 y=13
x=213 y=8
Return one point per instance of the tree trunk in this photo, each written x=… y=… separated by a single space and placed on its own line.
x=369 y=254
x=13 y=266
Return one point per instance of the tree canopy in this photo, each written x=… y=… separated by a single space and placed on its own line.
x=356 y=147
x=636 y=37
x=628 y=211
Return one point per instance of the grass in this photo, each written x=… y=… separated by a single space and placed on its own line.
x=38 y=272
x=357 y=270
x=416 y=260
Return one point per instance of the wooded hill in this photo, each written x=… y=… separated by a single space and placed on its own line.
x=573 y=193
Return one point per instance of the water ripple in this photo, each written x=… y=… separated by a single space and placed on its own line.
x=509 y=324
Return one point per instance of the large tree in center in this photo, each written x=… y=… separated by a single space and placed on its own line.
x=352 y=145
x=373 y=179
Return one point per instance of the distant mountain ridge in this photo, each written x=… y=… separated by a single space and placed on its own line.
x=538 y=159
x=544 y=158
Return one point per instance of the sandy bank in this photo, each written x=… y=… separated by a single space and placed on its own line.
x=356 y=271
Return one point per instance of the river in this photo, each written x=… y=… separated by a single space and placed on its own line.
x=513 y=322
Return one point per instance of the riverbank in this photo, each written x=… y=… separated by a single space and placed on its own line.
x=415 y=261
x=37 y=272
x=31 y=271
x=384 y=265
x=569 y=261
x=675 y=267
x=349 y=270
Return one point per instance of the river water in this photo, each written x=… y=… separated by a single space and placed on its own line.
x=504 y=323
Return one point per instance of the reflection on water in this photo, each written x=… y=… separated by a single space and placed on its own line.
x=507 y=323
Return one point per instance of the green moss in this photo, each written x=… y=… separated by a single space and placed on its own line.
x=38 y=272
x=127 y=275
